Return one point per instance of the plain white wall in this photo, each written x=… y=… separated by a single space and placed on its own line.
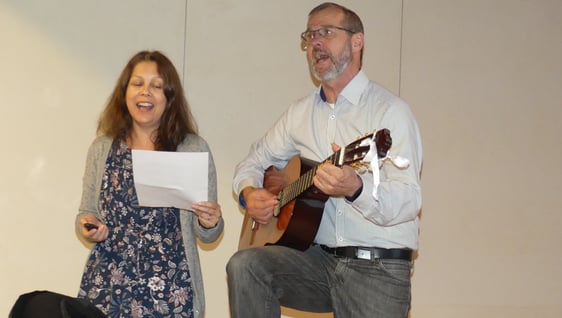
x=483 y=78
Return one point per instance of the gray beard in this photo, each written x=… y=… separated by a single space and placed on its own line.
x=334 y=71
x=338 y=66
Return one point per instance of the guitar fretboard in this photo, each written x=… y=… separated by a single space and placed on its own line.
x=299 y=186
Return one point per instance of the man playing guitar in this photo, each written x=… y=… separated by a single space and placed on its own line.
x=359 y=258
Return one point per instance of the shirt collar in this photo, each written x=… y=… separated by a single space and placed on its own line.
x=353 y=90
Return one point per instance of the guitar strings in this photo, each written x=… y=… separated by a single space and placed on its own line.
x=296 y=188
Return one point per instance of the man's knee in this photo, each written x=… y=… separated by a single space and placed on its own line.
x=239 y=262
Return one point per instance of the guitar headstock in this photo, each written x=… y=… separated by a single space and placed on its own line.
x=383 y=142
x=357 y=150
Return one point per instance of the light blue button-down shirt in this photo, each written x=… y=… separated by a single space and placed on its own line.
x=308 y=128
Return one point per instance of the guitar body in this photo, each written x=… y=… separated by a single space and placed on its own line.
x=297 y=223
x=301 y=205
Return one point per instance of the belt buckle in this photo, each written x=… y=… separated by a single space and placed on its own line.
x=363 y=253
x=336 y=254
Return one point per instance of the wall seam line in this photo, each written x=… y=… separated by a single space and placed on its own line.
x=401 y=53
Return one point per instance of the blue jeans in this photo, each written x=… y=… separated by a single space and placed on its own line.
x=262 y=279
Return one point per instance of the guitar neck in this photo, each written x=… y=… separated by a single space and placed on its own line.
x=349 y=155
x=303 y=183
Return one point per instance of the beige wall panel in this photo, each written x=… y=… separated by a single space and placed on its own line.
x=484 y=79
x=59 y=61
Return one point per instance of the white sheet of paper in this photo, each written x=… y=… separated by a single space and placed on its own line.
x=170 y=179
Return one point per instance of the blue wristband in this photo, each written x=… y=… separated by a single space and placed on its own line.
x=241 y=200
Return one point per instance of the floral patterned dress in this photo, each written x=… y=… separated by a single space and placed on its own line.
x=141 y=269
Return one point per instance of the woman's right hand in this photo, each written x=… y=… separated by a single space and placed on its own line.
x=92 y=229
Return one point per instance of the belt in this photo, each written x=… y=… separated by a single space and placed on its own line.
x=368 y=253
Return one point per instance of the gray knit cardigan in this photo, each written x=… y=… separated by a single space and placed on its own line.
x=191 y=229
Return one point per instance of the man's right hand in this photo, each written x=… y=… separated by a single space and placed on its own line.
x=260 y=204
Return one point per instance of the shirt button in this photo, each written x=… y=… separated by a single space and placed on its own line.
x=340 y=238
x=332 y=117
x=340 y=212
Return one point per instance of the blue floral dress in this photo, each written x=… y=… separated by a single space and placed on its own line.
x=141 y=269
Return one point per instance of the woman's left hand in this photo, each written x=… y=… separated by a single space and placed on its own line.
x=208 y=213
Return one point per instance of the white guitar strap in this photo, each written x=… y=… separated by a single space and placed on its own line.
x=372 y=158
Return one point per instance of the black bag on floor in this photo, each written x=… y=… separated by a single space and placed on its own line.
x=46 y=304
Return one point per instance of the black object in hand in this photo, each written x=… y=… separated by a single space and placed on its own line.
x=90 y=226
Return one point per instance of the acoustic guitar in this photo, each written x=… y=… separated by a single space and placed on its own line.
x=299 y=212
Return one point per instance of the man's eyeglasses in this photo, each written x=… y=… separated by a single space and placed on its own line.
x=327 y=32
